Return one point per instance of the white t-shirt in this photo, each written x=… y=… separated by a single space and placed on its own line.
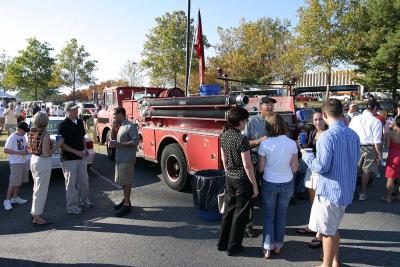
x=278 y=152
x=368 y=128
x=16 y=143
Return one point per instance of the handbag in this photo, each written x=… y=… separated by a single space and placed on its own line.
x=221 y=202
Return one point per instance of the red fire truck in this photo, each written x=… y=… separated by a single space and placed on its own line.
x=180 y=133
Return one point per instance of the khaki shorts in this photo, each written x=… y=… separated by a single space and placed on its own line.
x=18 y=174
x=325 y=216
x=2 y=120
x=124 y=173
x=367 y=162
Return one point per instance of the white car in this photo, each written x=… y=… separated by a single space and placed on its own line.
x=52 y=128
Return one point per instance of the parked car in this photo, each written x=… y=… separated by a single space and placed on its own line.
x=52 y=128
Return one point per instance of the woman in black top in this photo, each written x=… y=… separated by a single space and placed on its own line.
x=241 y=184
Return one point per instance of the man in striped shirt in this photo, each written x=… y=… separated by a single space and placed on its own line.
x=338 y=151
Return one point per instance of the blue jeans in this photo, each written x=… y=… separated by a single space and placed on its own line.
x=276 y=197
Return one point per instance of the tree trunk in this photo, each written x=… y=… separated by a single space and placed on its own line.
x=328 y=83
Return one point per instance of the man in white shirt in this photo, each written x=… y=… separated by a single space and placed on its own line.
x=369 y=130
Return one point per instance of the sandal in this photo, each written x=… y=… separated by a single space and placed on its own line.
x=40 y=222
x=305 y=231
x=315 y=243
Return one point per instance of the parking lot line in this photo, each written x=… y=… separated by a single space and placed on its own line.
x=105 y=178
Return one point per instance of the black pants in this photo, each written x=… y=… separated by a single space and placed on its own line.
x=259 y=177
x=237 y=200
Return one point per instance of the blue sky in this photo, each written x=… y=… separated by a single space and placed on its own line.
x=113 y=31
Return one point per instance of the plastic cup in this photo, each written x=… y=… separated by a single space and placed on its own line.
x=308 y=150
x=303 y=138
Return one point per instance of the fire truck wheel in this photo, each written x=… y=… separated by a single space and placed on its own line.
x=173 y=167
x=110 y=151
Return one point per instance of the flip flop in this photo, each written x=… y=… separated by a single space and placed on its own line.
x=36 y=223
x=305 y=231
x=315 y=243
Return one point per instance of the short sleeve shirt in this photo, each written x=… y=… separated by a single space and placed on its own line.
x=126 y=132
x=16 y=142
x=233 y=143
x=278 y=152
x=255 y=129
x=73 y=135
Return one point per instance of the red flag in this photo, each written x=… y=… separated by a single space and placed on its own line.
x=200 y=49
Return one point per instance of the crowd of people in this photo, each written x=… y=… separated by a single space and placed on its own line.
x=13 y=113
x=340 y=147
x=36 y=142
x=257 y=155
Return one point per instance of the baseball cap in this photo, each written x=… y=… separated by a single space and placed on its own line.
x=23 y=126
x=266 y=100
x=70 y=105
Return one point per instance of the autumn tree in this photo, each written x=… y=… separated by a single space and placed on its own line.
x=74 y=68
x=324 y=34
x=164 y=50
x=255 y=51
x=31 y=71
x=378 y=56
x=132 y=72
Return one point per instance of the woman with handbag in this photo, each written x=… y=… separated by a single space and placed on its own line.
x=41 y=148
x=241 y=183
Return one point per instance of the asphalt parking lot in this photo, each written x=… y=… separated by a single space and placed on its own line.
x=164 y=229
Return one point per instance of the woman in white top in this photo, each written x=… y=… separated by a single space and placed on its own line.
x=278 y=159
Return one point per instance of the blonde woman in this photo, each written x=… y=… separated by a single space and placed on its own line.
x=41 y=148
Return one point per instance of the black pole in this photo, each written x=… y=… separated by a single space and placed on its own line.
x=187 y=50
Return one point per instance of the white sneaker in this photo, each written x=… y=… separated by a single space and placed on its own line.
x=362 y=196
x=7 y=205
x=18 y=200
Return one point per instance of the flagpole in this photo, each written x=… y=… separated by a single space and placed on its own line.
x=190 y=61
x=187 y=50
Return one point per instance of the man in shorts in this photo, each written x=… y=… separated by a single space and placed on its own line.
x=369 y=130
x=15 y=147
x=337 y=179
x=125 y=144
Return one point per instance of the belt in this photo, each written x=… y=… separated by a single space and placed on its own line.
x=367 y=145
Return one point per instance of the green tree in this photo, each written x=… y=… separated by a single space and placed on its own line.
x=257 y=51
x=31 y=71
x=4 y=61
x=378 y=57
x=74 y=68
x=165 y=48
x=132 y=72
x=325 y=35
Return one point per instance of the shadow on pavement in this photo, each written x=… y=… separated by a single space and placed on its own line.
x=27 y=263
